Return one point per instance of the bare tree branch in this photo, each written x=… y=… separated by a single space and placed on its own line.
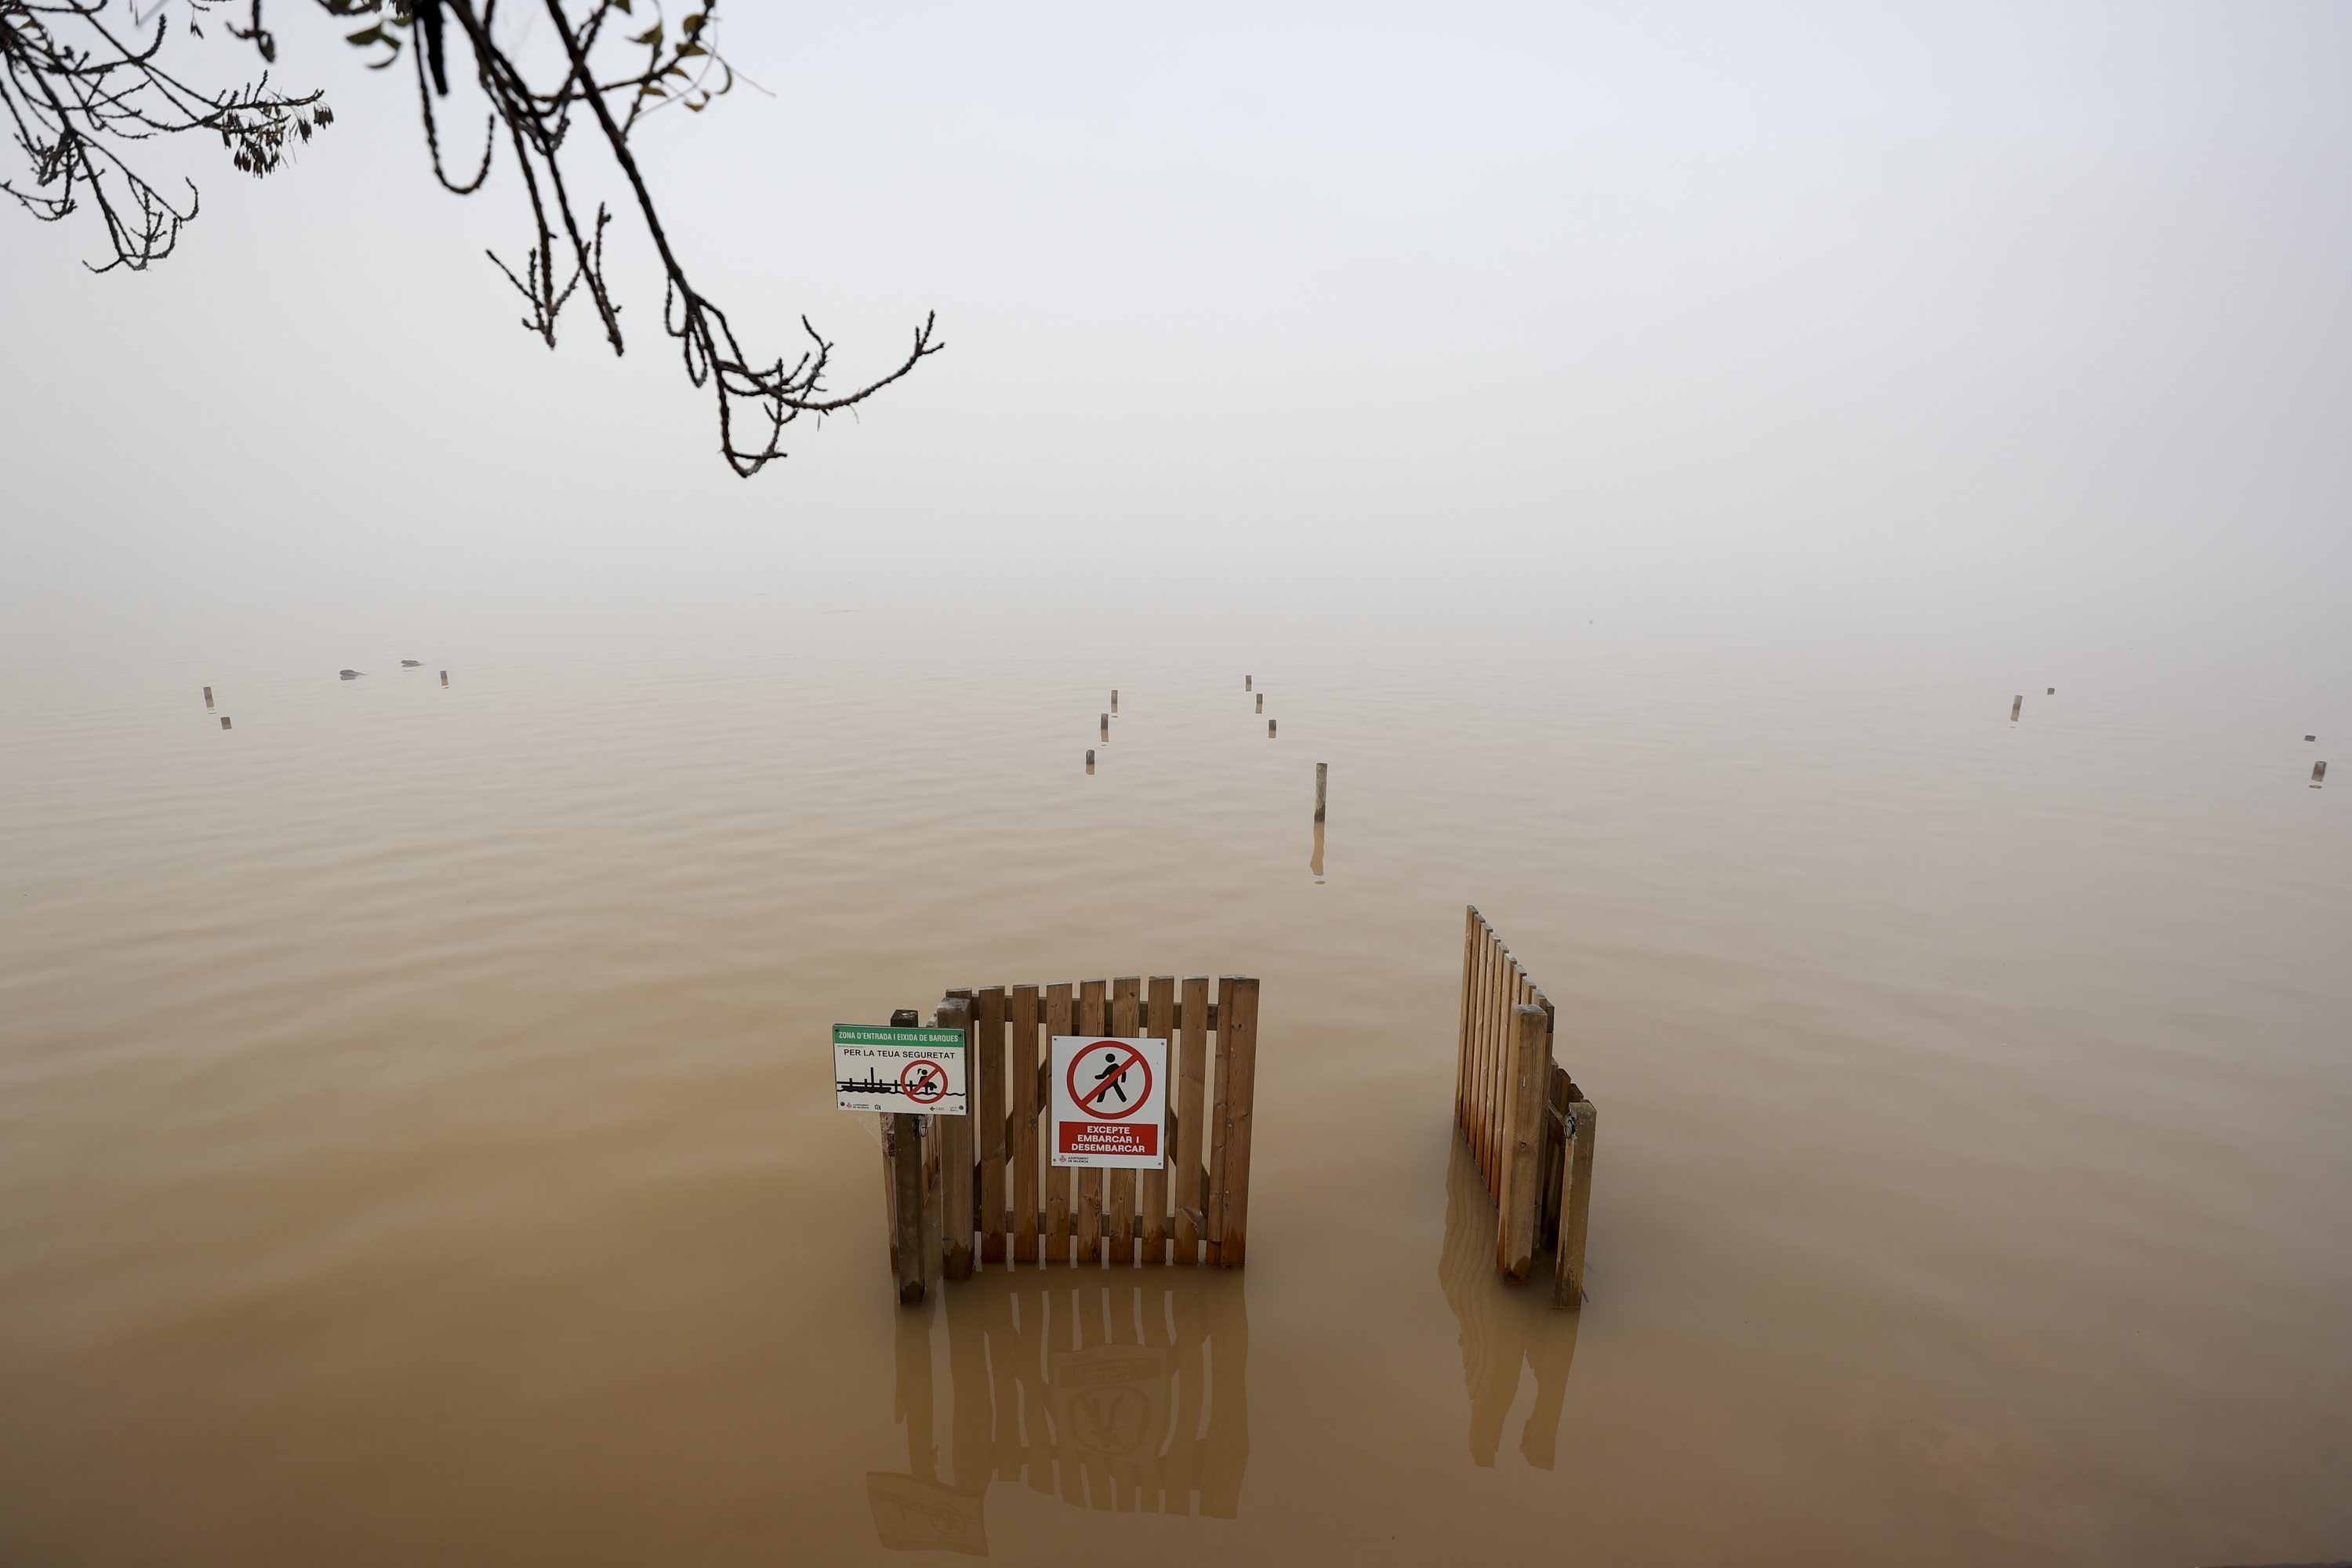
x=76 y=104
x=78 y=93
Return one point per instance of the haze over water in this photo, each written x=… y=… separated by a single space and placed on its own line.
x=414 y=1141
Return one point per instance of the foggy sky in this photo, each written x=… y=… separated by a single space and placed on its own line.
x=1373 y=303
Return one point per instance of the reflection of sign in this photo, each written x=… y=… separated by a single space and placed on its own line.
x=1110 y=1400
x=874 y=1068
x=913 y=1515
x=1110 y=1099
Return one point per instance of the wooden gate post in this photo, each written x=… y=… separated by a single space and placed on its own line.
x=1236 y=1097
x=1575 y=1206
x=953 y=1136
x=1525 y=1094
x=904 y=1153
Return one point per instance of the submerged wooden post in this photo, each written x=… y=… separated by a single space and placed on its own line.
x=991 y=1124
x=1160 y=1011
x=1060 y=1210
x=1525 y=1092
x=1575 y=1206
x=2016 y=706
x=1236 y=1094
x=1121 y=1187
x=1093 y=1005
x=904 y=1151
x=208 y=695
x=1022 y=1154
x=1191 y=1121
x=952 y=1134
x=1322 y=777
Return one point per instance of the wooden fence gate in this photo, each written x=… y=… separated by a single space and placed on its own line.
x=1527 y=1124
x=966 y=1191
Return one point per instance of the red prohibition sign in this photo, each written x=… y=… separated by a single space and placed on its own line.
x=1113 y=1073
x=924 y=1083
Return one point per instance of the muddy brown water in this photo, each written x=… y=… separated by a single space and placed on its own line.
x=415 y=1141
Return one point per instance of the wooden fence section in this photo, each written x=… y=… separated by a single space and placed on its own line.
x=1528 y=1127
x=968 y=1192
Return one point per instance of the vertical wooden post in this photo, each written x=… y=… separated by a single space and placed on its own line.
x=953 y=1136
x=1060 y=1211
x=904 y=1153
x=1191 y=1079
x=1119 y=1233
x=1091 y=1009
x=1236 y=1094
x=1529 y=1082
x=1160 y=1013
x=1575 y=1206
x=1462 y=1050
x=1024 y=1151
x=1220 y=1125
x=989 y=1128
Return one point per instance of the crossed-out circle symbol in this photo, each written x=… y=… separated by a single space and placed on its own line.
x=1113 y=1074
x=925 y=1082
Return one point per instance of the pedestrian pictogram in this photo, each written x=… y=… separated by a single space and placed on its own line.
x=878 y=1068
x=1109 y=1069
x=1109 y=1102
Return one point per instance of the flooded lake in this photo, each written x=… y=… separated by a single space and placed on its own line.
x=419 y=1140
x=1827 y=527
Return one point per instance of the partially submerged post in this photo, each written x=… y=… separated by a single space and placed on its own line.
x=208 y=695
x=2016 y=706
x=1322 y=777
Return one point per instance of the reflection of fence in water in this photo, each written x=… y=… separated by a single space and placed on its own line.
x=1128 y=1396
x=1503 y=1329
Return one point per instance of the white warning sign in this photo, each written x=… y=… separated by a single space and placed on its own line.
x=1110 y=1099
x=918 y=1070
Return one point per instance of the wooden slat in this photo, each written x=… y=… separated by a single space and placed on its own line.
x=1089 y=1216
x=988 y=1061
x=1213 y=1208
x=1236 y=1090
x=952 y=1136
x=1191 y=1082
x=1575 y=1208
x=1161 y=1024
x=1022 y=1054
x=1060 y=1213
x=1530 y=1082
x=1490 y=1067
x=1501 y=997
x=1462 y=1048
x=1118 y=1230
x=1482 y=1047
